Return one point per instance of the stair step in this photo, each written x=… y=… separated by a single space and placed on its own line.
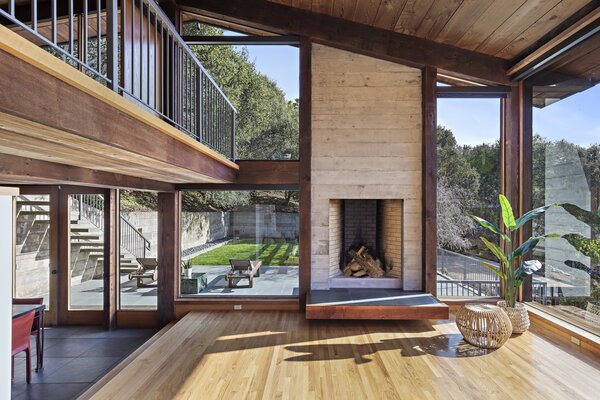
x=34 y=212
x=77 y=229
x=85 y=236
x=33 y=202
x=88 y=249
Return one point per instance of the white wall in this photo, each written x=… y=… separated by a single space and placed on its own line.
x=6 y=267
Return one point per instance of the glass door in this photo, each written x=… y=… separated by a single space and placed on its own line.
x=82 y=255
x=35 y=274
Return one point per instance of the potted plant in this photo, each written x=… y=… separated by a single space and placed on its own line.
x=186 y=267
x=589 y=248
x=513 y=268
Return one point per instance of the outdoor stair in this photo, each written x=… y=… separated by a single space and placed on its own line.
x=87 y=253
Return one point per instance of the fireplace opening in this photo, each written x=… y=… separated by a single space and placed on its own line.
x=366 y=238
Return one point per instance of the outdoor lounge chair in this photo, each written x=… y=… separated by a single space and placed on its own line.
x=243 y=269
x=148 y=269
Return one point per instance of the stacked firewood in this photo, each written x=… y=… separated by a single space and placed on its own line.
x=363 y=264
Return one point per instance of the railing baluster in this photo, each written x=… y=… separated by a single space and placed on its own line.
x=34 y=19
x=99 y=36
x=53 y=20
x=85 y=32
x=148 y=56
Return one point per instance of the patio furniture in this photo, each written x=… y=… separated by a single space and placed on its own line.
x=148 y=269
x=243 y=269
x=21 y=330
x=37 y=329
x=195 y=284
x=484 y=325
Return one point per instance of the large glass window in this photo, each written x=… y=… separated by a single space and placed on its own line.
x=566 y=169
x=138 y=267
x=225 y=234
x=468 y=155
x=262 y=82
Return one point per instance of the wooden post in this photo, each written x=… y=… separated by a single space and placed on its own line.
x=526 y=170
x=305 y=153
x=429 y=160
x=169 y=206
x=111 y=258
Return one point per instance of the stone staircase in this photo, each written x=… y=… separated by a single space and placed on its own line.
x=33 y=244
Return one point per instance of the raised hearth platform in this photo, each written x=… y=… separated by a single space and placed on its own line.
x=391 y=304
x=348 y=282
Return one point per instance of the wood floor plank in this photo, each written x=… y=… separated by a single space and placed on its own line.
x=281 y=355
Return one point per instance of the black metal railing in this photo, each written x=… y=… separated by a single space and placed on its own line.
x=132 y=47
x=90 y=207
x=475 y=288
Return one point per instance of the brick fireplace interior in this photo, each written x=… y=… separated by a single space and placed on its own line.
x=373 y=223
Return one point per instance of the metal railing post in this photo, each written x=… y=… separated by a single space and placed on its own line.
x=112 y=48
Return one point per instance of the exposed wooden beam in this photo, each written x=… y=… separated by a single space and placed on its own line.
x=305 y=151
x=22 y=170
x=557 y=47
x=111 y=258
x=242 y=40
x=429 y=160
x=169 y=209
x=268 y=172
x=352 y=36
x=474 y=92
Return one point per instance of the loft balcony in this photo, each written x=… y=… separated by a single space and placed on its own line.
x=130 y=48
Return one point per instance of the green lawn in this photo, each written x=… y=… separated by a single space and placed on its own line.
x=278 y=253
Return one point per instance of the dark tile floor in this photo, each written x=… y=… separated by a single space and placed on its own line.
x=74 y=358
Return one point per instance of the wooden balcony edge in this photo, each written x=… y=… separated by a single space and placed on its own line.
x=30 y=53
x=92 y=390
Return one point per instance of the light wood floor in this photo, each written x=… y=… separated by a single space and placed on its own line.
x=273 y=355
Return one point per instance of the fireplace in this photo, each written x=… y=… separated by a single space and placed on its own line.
x=365 y=234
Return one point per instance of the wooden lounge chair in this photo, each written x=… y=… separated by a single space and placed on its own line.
x=148 y=269
x=243 y=269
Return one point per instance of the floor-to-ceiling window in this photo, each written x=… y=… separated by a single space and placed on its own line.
x=218 y=226
x=566 y=170
x=138 y=246
x=468 y=164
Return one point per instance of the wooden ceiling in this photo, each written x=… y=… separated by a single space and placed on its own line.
x=501 y=28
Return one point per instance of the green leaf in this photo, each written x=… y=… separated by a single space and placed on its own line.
x=528 y=245
x=528 y=216
x=507 y=213
x=526 y=268
x=494 y=269
x=495 y=249
x=488 y=225
x=587 y=217
x=582 y=267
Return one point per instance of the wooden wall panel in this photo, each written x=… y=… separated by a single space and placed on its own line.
x=366 y=143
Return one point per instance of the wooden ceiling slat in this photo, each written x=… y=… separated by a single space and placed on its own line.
x=322 y=6
x=522 y=19
x=365 y=11
x=543 y=25
x=464 y=17
x=437 y=17
x=344 y=8
x=489 y=22
x=583 y=64
x=412 y=15
x=388 y=13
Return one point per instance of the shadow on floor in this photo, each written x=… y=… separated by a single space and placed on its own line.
x=74 y=359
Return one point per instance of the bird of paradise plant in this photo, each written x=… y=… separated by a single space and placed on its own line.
x=513 y=268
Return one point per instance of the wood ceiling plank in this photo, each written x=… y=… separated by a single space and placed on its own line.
x=582 y=64
x=412 y=15
x=344 y=8
x=464 y=17
x=365 y=11
x=573 y=55
x=542 y=26
x=388 y=13
x=322 y=6
x=516 y=24
x=438 y=15
x=304 y=4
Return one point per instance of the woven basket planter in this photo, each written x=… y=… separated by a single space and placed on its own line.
x=483 y=325
x=519 y=318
